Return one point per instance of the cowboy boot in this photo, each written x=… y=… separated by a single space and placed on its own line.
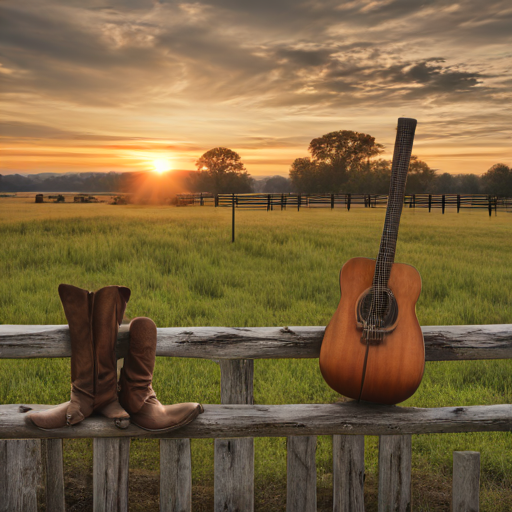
x=89 y=314
x=108 y=310
x=135 y=384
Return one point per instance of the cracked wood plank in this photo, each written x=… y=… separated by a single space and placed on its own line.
x=301 y=474
x=348 y=473
x=229 y=421
x=442 y=343
x=395 y=464
x=234 y=458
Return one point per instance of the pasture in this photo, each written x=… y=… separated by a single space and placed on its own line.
x=282 y=271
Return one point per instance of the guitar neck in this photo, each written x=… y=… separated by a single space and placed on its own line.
x=399 y=168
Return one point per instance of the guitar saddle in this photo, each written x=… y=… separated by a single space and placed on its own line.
x=377 y=316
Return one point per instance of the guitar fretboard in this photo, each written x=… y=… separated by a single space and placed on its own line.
x=386 y=257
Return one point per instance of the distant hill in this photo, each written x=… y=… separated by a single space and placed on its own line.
x=85 y=182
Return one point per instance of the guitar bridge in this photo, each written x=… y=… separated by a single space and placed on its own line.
x=374 y=327
x=372 y=335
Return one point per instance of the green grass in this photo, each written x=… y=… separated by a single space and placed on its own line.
x=282 y=270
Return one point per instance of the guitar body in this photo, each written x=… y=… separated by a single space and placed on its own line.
x=394 y=366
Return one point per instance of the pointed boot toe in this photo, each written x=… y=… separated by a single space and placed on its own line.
x=55 y=417
x=161 y=418
x=115 y=412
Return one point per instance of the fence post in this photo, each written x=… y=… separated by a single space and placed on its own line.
x=332 y=201
x=20 y=475
x=466 y=481
x=111 y=458
x=298 y=203
x=282 y=202
x=348 y=202
x=348 y=473
x=175 y=475
x=233 y=219
x=414 y=200
x=268 y=203
x=201 y=200
x=394 y=473
x=216 y=200
x=490 y=205
x=458 y=203
x=234 y=458
x=443 y=202
x=51 y=450
x=301 y=474
x=429 y=203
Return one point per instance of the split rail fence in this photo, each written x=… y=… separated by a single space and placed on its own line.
x=31 y=459
x=271 y=202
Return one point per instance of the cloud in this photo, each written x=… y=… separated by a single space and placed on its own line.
x=205 y=71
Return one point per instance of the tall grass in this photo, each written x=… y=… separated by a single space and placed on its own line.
x=282 y=270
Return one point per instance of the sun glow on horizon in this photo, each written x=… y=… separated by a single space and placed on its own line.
x=161 y=165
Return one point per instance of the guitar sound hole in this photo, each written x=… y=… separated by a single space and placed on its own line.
x=384 y=313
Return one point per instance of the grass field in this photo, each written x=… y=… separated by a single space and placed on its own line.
x=282 y=270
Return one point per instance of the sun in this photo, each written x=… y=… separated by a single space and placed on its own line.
x=161 y=165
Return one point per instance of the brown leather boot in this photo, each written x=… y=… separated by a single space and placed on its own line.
x=136 y=392
x=93 y=319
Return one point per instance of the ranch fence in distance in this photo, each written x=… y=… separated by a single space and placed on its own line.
x=272 y=202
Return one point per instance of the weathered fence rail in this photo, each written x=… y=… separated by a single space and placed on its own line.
x=31 y=459
x=442 y=343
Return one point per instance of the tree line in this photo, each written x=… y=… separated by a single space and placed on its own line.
x=342 y=162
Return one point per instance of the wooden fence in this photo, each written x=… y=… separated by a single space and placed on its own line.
x=272 y=202
x=31 y=459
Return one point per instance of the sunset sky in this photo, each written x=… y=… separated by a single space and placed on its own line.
x=90 y=85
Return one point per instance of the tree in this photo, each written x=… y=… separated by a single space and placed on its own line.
x=341 y=153
x=467 y=184
x=498 y=180
x=305 y=176
x=335 y=158
x=277 y=185
x=420 y=178
x=445 y=184
x=220 y=170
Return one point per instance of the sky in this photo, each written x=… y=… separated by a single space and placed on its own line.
x=130 y=85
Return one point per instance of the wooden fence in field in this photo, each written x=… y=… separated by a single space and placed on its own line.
x=31 y=459
x=272 y=202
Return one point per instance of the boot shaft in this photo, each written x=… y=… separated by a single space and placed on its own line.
x=94 y=319
x=77 y=304
x=109 y=305
x=139 y=364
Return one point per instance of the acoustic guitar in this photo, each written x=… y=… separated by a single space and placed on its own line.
x=373 y=347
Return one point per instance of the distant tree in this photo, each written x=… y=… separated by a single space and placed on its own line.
x=444 y=184
x=277 y=185
x=335 y=158
x=305 y=176
x=373 y=178
x=498 y=180
x=420 y=178
x=342 y=153
x=467 y=183
x=220 y=170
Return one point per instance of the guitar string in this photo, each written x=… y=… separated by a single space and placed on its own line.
x=401 y=158
x=385 y=259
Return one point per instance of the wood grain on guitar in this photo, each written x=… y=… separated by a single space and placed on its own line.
x=373 y=347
